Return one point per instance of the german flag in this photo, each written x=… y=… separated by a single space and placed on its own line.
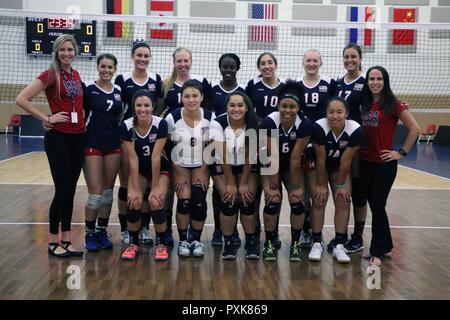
x=118 y=29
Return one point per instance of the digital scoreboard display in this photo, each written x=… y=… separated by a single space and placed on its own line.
x=42 y=32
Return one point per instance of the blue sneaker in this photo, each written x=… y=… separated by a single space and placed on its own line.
x=91 y=242
x=217 y=239
x=236 y=238
x=169 y=237
x=103 y=239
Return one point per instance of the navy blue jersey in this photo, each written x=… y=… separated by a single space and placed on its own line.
x=103 y=111
x=189 y=142
x=352 y=93
x=173 y=100
x=264 y=98
x=143 y=145
x=287 y=139
x=322 y=134
x=129 y=87
x=219 y=96
x=317 y=96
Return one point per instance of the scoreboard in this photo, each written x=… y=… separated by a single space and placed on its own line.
x=42 y=32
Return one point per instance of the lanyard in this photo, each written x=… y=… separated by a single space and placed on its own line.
x=71 y=87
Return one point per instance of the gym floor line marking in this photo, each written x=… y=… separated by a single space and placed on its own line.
x=211 y=225
x=22 y=155
x=430 y=174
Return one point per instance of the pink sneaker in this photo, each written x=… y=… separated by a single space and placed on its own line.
x=130 y=252
x=161 y=253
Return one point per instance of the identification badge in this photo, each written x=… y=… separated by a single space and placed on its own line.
x=74 y=117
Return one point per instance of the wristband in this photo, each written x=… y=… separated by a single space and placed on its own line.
x=48 y=120
x=340 y=185
x=403 y=152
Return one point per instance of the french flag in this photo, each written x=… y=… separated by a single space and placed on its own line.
x=362 y=36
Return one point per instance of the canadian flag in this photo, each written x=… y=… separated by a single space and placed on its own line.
x=161 y=8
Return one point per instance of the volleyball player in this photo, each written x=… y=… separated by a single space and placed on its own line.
x=336 y=141
x=130 y=83
x=229 y=65
x=317 y=90
x=144 y=137
x=349 y=87
x=292 y=134
x=103 y=109
x=189 y=133
x=235 y=172
x=64 y=143
x=381 y=111
x=171 y=95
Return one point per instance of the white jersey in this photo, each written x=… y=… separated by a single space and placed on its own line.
x=188 y=143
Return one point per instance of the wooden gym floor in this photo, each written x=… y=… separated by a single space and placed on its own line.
x=418 y=209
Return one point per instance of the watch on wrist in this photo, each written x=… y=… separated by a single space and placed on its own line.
x=403 y=152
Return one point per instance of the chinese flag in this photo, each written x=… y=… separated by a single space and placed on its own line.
x=404 y=36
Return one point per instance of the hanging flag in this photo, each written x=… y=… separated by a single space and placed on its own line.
x=161 y=8
x=263 y=33
x=404 y=36
x=363 y=37
x=118 y=29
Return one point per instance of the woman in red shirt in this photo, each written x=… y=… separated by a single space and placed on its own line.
x=64 y=142
x=381 y=111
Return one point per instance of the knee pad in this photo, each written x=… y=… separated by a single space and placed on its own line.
x=159 y=216
x=358 y=199
x=198 y=203
x=184 y=206
x=123 y=194
x=146 y=194
x=272 y=208
x=247 y=209
x=93 y=201
x=297 y=208
x=133 y=215
x=107 y=197
x=229 y=209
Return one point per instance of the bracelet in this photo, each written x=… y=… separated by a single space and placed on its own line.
x=403 y=152
x=340 y=185
x=48 y=120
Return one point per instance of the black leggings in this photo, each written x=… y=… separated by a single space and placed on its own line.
x=377 y=180
x=65 y=157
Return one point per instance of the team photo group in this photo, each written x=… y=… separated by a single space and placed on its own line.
x=305 y=141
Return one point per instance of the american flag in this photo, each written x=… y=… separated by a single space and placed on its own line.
x=262 y=33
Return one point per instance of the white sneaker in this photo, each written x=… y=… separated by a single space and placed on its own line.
x=305 y=239
x=198 y=249
x=145 y=236
x=340 y=255
x=125 y=237
x=316 y=252
x=184 y=249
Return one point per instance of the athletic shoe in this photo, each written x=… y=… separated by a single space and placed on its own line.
x=305 y=239
x=252 y=250
x=295 y=253
x=125 y=237
x=236 y=238
x=145 y=236
x=316 y=252
x=184 y=249
x=340 y=255
x=276 y=241
x=229 y=253
x=130 y=252
x=217 y=238
x=198 y=249
x=169 y=237
x=91 y=242
x=161 y=253
x=355 y=244
x=103 y=239
x=269 y=252
x=331 y=245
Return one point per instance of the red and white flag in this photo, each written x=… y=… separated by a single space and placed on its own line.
x=161 y=8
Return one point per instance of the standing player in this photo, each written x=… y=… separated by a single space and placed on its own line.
x=292 y=134
x=336 y=141
x=318 y=90
x=229 y=64
x=189 y=132
x=130 y=83
x=349 y=87
x=64 y=143
x=144 y=137
x=103 y=108
x=234 y=173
